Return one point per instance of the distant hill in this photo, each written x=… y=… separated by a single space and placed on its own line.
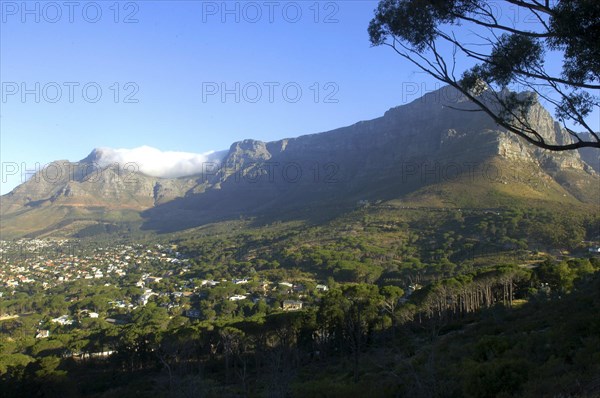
x=435 y=151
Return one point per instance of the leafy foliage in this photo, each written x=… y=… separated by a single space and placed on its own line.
x=411 y=294
x=511 y=52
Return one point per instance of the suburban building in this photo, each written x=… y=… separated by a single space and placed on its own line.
x=292 y=305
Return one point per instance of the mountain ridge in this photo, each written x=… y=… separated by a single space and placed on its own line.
x=409 y=148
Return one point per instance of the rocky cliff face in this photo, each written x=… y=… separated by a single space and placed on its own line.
x=408 y=148
x=428 y=129
x=84 y=184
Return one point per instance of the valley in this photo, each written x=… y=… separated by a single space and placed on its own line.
x=435 y=256
x=423 y=279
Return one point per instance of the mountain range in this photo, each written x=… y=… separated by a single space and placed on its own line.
x=433 y=152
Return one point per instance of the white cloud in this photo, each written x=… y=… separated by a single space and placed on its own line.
x=157 y=163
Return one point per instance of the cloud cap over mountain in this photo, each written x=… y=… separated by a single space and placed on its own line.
x=157 y=163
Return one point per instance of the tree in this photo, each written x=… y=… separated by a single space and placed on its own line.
x=436 y=35
x=359 y=318
x=391 y=295
x=231 y=340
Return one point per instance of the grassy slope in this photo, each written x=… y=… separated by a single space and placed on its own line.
x=62 y=220
x=495 y=183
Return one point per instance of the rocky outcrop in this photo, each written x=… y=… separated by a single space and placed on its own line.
x=85 y=184
x=384 y=158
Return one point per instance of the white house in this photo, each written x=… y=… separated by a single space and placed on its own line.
x=63 y=320
x=146 y=296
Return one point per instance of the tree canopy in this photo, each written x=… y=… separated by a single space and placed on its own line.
x=514 y=43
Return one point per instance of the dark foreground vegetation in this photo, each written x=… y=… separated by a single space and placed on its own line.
x=486 y=303
x=457 y=337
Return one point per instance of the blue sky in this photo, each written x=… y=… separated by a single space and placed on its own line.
x=161 y=67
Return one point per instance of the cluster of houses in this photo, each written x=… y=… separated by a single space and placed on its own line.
x=63 y=320
x=265 y=288
x=54 y=262
x=49 y=263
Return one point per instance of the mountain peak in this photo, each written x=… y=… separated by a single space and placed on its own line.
x=94 y=157
x=411 y=150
